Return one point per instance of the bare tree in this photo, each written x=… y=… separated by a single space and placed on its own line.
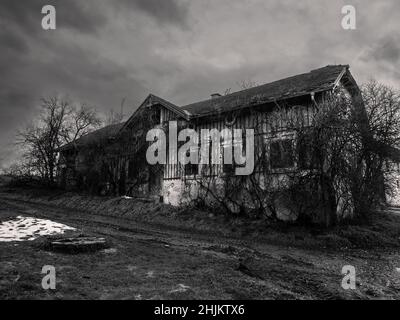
x=114 y=117
x=227 y=91
x=246 y=84
x=60 y=122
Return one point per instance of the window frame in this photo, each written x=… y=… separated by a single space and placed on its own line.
x=291 y=136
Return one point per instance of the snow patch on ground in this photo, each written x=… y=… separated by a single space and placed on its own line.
x=27 y=229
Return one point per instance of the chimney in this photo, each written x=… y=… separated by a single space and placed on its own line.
x=215 y=95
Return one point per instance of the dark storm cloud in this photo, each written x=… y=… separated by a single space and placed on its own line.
x=387 y=50
x=182 y=50
x=95 y=80
x=165 y=11
x=36 y=63
x=80 y=16
x=27 y=15
x=9 y=41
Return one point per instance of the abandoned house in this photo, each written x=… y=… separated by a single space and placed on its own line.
x=112 y=160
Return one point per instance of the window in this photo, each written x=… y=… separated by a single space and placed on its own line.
x=209 y=169
x=155 y=116
x=305 y=151
x=228 y=168
x=239 y=143
x=281 y=154
x=191 y=169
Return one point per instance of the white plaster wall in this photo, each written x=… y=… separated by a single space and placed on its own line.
x=179 y=192
x=172 y=192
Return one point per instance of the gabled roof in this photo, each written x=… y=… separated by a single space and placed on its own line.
x=96 y=136
x=154 y=100
x=112 y=130
x=318 y=80
x=168 y=105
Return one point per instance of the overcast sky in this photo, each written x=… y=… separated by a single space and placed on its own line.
x=103 y=51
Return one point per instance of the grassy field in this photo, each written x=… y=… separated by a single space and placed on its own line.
x=158 y=252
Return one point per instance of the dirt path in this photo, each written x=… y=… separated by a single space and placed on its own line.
x=149 y=261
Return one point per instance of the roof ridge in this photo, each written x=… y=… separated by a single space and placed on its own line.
x=316 y=80
x=267 y=83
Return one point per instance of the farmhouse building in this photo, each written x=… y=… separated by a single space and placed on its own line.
x=112 y=160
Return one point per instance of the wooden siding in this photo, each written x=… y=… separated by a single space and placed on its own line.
x=260 y=120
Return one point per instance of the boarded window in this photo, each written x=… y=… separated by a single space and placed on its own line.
x=281 y=154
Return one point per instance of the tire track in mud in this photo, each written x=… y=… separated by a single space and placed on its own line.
x=232 y=249
x=124 y=228
x=288 y=268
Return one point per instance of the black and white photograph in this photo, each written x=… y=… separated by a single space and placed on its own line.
x=199 y=150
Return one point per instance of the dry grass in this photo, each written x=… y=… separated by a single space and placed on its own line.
x=159 y=252
x=382 y=230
